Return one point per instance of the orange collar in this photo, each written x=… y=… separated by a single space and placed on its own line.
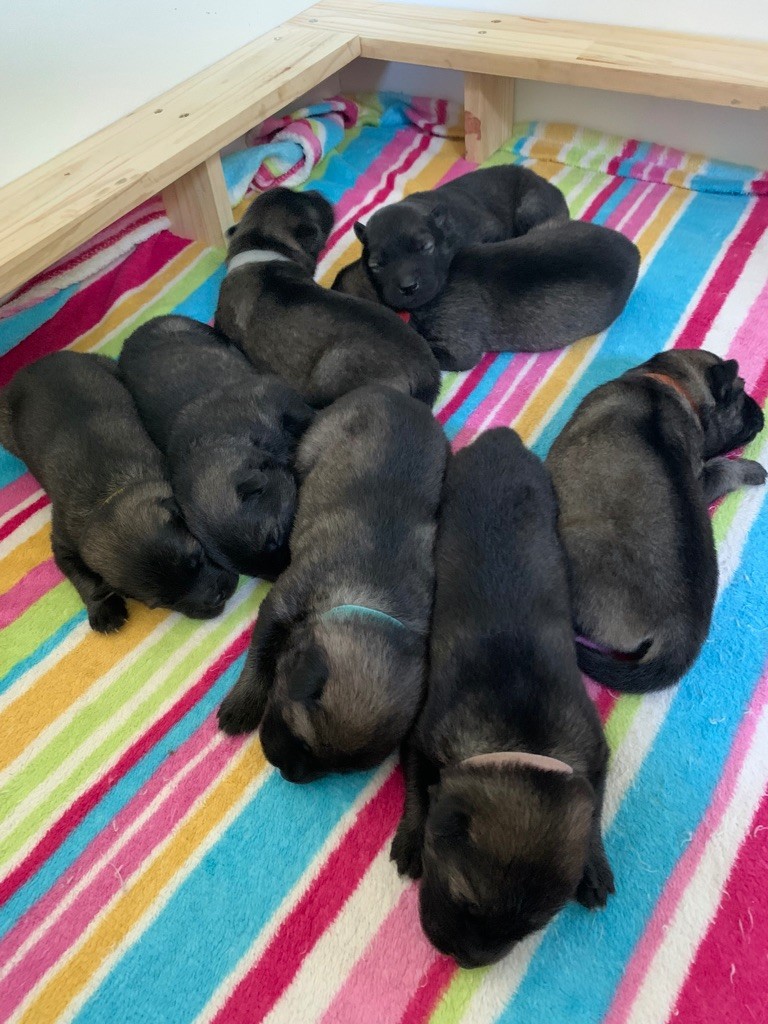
x=664 y=378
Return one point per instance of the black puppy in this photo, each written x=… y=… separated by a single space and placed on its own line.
x=324 y=344
x=542 y=291
x=635 y=468
x=409 y=246
x=506 y=764
x=337 y=659
x=117 y=529
x=229 y=435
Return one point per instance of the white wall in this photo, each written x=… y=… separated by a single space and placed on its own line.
x=71 y=67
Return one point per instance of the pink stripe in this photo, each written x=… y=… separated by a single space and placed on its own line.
x=29 y=589
x=391 y=967
x=64 y=932
x=748 y=346
x=720 y=285
x=85 y=803
x=646 y=208
x=626 y=204
x=258 y=991
x=21 y=517
x=653 y=936
x=20 y=490
x=429 y=991
x=529 y=374
x=466 y=387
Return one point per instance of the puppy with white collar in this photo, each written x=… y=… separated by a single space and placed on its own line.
x=321 y=342
x=506 y=764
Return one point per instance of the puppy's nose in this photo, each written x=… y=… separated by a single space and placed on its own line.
x=409 y=287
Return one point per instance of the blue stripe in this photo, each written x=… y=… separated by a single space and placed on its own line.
x=11 y=468
x=17 y=327
x=615 y=198
x=660 y=812
x=225 y=902
x=45 y=648
x=115 y=800
x=500 y=364
x=659 y=301
x=201 y=303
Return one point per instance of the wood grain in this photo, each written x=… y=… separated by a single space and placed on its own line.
x=489 y=113
x=197 y=204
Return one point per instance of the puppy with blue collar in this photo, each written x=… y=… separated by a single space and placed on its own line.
x=336 y=667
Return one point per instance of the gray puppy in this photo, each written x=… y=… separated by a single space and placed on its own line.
x=322 y=343
x=409 y=246
x=542 y=291
x=117 y=529
x=228 y=433
x=635 y=469
x=337 y=658
x=506 y=764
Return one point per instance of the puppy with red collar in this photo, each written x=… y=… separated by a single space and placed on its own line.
x=506 y=764
x=635 y=470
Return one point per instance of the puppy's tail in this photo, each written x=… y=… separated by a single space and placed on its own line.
x=653 y=666
x=6 y=427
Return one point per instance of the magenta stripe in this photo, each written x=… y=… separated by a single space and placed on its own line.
x=628 y=149
x=529 y=371
x=748 y=346
x=20 y=490
x=617 y=216
x=62 y=933
x=30 y=588
x=646 y=209
x=678 y=881
x=21 y=517
x=389 y=970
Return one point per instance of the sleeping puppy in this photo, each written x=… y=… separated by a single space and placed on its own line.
x=542 y=291
x=409 y=246
x=635 y=469
x=336 y=663
x=229 y=435
x=506 y=764
x=322 y=343
x=117 y=529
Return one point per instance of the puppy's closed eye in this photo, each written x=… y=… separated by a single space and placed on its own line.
x=426 y=246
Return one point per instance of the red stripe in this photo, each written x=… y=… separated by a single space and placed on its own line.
x=256 y=993
x=468 y=385
x=88 y=306
x=628 y=150
x=600 y=198
x=724 y=278
x=21 y=517
x=424 y=1000
x=728 y=979
x=85 y=803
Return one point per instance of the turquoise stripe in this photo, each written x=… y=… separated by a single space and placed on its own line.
x=19 y=326
x=45 y=648
x=201 y=304
x=225 y=902
x=343 y=170
x=615 y=199
x=500 y=364
x=660 y=812
x=659 y=301
x=115 y=800
x=627 y=166
x=11 y=468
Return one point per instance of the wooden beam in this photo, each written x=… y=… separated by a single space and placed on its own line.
x=489 y=114
x=197 y=204
x=51 y=210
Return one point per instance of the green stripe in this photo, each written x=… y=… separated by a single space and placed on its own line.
x=38 y=622
x=86 y=723
x=723 y=518
x=455 y=1000
x=618 y=722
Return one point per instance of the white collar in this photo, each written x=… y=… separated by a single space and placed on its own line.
x=254 y=256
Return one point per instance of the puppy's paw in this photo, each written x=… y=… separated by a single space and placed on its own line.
x=237 y=715
x=597 y=883
x=108 y=614
x=753 y=474
x=406 y=850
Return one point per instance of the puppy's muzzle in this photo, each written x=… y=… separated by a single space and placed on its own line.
x=409 y=287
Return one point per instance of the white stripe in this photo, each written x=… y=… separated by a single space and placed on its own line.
x=24 y=503
x=158 y=905
x=255 y=951
x=690 y=922
x=37 y=521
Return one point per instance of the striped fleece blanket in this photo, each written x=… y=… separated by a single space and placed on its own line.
x=154 y=871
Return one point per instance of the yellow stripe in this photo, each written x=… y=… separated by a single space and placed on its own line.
x=137 y=899
x=72 y=676
x=26 y=557
x=132 y=302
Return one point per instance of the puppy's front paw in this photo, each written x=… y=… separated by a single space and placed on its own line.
x=108 y=614
x=406 y=850
x=237 y=715
x=597 y=883
x=754 y=475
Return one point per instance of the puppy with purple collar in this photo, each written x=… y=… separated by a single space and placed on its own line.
x=506 y=764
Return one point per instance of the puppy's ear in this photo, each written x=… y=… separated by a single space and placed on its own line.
x=449 y=819
x=308 y=677
x=360 y=231
x=721 y=377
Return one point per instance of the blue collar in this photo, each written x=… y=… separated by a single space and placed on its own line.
x=342 y=610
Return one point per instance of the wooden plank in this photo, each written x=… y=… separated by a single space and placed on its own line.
x=726 y=72
x=197 y=204
x=489 y=113
x=48 y=212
